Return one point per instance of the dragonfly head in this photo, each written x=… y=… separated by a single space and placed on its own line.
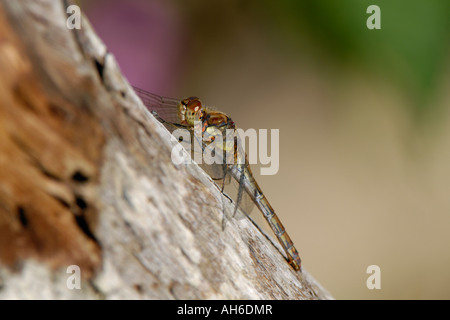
x=190 y=110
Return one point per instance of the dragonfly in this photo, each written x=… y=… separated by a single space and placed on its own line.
x=191 y=114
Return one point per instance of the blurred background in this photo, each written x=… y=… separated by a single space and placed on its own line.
x=363 y=115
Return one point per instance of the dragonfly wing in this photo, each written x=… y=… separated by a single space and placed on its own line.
x=166 y=108
x=217 y=172
x=220 y=172
x=243 y=202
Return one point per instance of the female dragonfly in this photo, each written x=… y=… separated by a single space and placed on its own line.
x=189 y=113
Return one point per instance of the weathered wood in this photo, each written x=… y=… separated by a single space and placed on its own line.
x=86 y=179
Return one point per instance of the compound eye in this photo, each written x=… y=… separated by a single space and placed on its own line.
x=194 y=104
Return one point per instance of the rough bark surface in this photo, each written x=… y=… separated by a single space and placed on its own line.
x=86 y=179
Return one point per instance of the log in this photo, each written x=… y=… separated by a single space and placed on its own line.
x=86 y=180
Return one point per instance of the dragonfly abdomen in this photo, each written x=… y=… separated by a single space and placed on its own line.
x=279 y=230
x=272 y=219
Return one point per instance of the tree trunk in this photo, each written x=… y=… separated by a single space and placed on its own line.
x=86 y=180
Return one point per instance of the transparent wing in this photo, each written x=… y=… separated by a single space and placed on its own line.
x=245 y=203
x=166 y=108
x=220 y=173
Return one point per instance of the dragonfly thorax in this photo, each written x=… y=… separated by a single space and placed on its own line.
x=218 y=119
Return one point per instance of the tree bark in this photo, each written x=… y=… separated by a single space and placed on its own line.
x=86 y=179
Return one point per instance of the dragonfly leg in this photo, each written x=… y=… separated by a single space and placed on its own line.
x=240 y=191
x=227 y=196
